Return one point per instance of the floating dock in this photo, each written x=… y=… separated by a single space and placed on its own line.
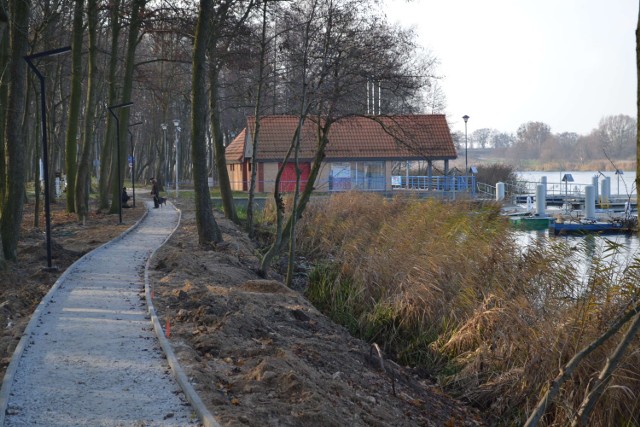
x=600 y=227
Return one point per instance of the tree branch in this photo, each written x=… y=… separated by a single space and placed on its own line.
x=567 y=371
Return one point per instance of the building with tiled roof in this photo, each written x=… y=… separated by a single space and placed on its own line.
x=361 y=152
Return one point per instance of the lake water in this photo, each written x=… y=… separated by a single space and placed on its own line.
x=591 y=244
x=617 y=251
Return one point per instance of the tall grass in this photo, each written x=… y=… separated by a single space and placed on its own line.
x=445 y=287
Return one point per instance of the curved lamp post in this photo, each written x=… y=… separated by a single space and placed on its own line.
x=111 y=108
x=45 y=150
x=133 y=163
x=466 y=165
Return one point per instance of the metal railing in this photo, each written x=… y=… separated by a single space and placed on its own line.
x=419 y=183
x=437 y=183
x=486 y=190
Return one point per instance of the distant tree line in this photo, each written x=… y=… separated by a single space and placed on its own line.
x=614 y=138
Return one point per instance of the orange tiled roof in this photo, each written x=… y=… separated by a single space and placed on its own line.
x=234 y=152
x=380 y=137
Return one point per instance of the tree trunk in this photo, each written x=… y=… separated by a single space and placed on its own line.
x=4 y=23
x=279 y=244
x=294 y=208
x=256 y=131
x=83 y=179
x=137 y=9
x=208 y=231
x=106 y=156
x=14 y=138
x=638 y=106
x=74 y=104
x=4 y=62
x=4 y=85
x=218 y=141
x=276 y=246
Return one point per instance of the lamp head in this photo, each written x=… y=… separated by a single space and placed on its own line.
x=176 y=123
x=163 y=126
x=465 y=118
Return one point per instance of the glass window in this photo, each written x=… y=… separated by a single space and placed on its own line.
x=368 y=175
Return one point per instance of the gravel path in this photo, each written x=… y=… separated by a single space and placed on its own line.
x=89 y=356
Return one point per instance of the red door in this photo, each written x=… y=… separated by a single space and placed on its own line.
x=288 y=178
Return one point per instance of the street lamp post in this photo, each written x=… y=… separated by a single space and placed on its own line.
x=111 y=108
x=466 y=165
x=166 y=154
x=45 y=150
x=176 y=124
x=133 y=163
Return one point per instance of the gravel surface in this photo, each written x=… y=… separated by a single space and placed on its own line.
x=90 y=356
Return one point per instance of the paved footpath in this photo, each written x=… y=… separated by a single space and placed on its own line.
x=89 y=356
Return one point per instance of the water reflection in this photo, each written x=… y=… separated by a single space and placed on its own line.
x=589 y=254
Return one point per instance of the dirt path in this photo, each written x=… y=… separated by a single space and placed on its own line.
x=89 y=355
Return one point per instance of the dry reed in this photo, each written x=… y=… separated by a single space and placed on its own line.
x=444 y=286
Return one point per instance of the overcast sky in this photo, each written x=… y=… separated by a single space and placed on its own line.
x=566 y=63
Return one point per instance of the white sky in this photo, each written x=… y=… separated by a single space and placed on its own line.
x=566 y=63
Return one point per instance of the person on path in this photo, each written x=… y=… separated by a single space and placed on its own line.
x=155 y=193
x=125 y=198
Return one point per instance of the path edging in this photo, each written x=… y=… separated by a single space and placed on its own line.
x=194 y=399
x=7 y=381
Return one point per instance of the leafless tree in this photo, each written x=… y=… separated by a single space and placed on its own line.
x=208 y=231
x=617 y=134
x=481 y=137
x=13 y=205
x=348 y=46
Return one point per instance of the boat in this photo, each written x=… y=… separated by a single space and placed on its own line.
x=531 y=222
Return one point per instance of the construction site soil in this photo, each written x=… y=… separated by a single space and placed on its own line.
x=257 y=352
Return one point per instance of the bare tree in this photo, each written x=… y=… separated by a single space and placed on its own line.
x=4 y=85
x=502 y=140
x=208 y=231
x=638 y=107
x=617 y=134
x=348 y=46
x=83 y=180
x=481 y=137
x=258 y=110
x=435 y=97
x=13 y=206
x=106 y=156
x=74 y=103
x=135 y=24
x=531 y=136
x=231 y=14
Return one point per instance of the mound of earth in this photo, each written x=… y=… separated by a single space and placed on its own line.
x=260 y=354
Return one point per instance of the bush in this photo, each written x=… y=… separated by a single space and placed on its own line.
x=497 y=172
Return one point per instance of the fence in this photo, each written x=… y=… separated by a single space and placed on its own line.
x=461 y=184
